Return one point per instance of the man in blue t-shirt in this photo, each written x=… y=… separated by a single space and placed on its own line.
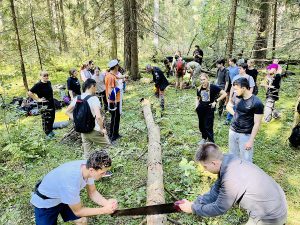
x=59 y=191
x=246 y=122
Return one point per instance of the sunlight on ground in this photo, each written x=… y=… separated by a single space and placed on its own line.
x=271 y=129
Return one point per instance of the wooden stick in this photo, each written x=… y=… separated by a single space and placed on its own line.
x=174 y=221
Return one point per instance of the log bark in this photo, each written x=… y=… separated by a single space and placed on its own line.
x=155 y=185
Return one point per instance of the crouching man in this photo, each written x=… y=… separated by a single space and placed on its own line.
x=239 y=182
x=59 y=191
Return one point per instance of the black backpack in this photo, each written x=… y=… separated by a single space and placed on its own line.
x=295 y=136
x=83 y=117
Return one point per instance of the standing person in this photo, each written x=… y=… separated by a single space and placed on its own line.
x=240 y=58
x=178 y=67
x=208 y=95
x=59 y=191
x=239 y=182
x=246 y=120
x=194 y=68
x=253 y=73
x=91 y=67
x=198 y=54
x=160 y=81
x=113 y=96
x=73 y=84
x=121 y=84
x=85 y=73
x=233 y=71
x=99 y=77
x=272 y=95
x=42 y=92
x=279 y=70
x=222 y=82
x=88 y=122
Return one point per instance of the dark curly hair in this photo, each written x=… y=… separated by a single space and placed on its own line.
x=98 y=159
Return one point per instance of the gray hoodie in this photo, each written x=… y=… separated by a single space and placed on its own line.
x=246 y=184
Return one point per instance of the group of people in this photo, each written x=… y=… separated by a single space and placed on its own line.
x=239 y=180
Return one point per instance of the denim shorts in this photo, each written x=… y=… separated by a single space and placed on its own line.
x=48 y=216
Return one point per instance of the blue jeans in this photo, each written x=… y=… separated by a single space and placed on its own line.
x=48 y=216
x=237 y=143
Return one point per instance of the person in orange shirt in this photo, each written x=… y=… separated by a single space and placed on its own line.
x=113 y=98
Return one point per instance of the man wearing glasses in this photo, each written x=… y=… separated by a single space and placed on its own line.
x=42 y=92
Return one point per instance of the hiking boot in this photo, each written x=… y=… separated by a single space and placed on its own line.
x=118 y=136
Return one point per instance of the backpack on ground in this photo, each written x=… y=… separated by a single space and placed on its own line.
x=180 y=65
x=83 y=117
x=295 y=136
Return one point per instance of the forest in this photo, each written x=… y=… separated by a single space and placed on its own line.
x=55 y=37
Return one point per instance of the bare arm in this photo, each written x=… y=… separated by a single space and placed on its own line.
x=222 y=96
x=257 y=122
x=71 y=94
x=69 y=111
x=81 y=211
x=229 y=107
x=35 y=97
x=98 y=117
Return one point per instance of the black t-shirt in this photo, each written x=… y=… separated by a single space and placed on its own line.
x=253 y=73
x=74 y=85
x=159 y=78
x=44 y=90
x=207 y=98
x=243 y=119
x=274 y=92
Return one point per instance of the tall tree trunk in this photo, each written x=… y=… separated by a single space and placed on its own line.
x=156 y=22
x=274 y=28
x=127 y=35
x=114 y=44
x=51 y=22
x=57 y=23
x=35 y=37
x=231 y=26
x=134 y=69
x=23 y=71
x=63 y=26
x=261 y=42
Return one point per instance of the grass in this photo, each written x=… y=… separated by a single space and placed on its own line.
x=25 y=155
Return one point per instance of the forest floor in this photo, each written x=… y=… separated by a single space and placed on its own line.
x=26 y=157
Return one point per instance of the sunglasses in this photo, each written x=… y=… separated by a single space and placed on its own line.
x=45 y=75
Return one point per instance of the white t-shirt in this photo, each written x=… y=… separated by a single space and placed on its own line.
x=120 y=81
x=62 y=185
x=93 y=103
x=100 y=81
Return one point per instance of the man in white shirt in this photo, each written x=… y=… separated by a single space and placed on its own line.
x=98 y=135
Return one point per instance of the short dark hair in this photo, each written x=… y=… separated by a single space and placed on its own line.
x=242 y=82
x=208 y=151
x=233 y=60
x=98 y=159
x=72 y=71
x=88 y=84
x=197 y=46
x=90 y=62
x=243 y=65
x=221 y=61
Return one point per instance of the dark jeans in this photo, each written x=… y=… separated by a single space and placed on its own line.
x=115 y=120
x=206 y=121
x=103 y=100
x=221 y=106
x=48 y=116
x=48 y=216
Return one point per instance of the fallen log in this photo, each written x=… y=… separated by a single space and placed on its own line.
x=155 y=185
